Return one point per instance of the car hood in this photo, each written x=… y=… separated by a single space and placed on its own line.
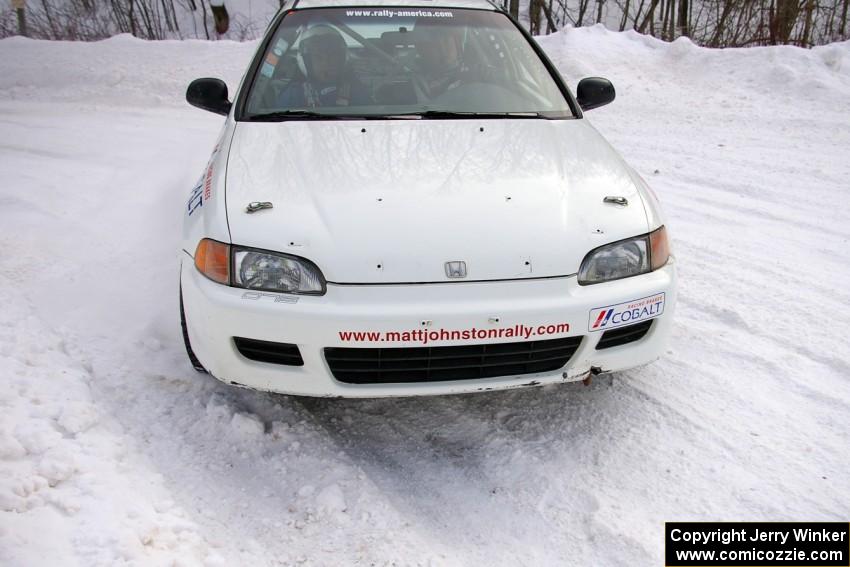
x=394 y=201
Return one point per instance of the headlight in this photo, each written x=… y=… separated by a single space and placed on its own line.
x=258 y=269
x=270 y=271
x=626 y=258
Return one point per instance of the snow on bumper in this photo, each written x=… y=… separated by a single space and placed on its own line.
x=434 y=315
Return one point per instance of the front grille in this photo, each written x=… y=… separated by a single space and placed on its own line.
x=267 y=351
x=437 y=364
x=623 y=335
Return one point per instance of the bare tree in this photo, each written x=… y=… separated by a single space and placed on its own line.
x=716 y=23
x=682 y=18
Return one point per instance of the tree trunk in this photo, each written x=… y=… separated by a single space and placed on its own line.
x=22 y=21
x=534 y=17
x=599 y=4
x=119 y=17
x=671 y=8
x=53 y=31
x=147 y=21
x=637 y=15
x=204 y=16
x=166 y=15
x=514 y=8
x=690 y=19
x=648 y=19
x=683 y=18
x=783 y=20
x=132 y=19
x=582 y=9
x=551 y=27
x=721 y=24
x=221 y=18
x=625 y=17
x=807 y=27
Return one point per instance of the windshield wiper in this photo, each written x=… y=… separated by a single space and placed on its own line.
x=281 y=115
x=448 y=114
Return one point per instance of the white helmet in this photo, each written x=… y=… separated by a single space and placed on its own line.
x=319 y=37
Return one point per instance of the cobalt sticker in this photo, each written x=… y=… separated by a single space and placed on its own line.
x=612 y=316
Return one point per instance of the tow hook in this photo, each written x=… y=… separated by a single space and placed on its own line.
x=594 y=370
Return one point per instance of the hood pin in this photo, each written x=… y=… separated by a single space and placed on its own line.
x=622 y=201
x=258 y=206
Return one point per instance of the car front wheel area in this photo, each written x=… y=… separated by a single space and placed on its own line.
x=196 y=364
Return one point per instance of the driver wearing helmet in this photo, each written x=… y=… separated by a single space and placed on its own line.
x=440 y=50
x=327 y=80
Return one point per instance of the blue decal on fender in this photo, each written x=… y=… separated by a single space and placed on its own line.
x=196 y=199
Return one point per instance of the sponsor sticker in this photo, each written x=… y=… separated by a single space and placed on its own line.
x=267 y=70
x=612 y=316
x=427 y=336
x=196 y=198
x=203 y=190
x=400 y=13
x=208 y=183
x=272 y=297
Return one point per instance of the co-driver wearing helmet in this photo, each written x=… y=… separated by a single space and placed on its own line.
x=440 y=49
x=327 y=80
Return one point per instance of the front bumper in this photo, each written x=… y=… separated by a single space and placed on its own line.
x=216 y=313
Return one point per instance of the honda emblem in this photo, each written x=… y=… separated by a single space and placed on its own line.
x=455 y=270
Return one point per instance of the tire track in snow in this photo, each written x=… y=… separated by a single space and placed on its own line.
x=66 y=465
x=437 y=457
x=253 y=468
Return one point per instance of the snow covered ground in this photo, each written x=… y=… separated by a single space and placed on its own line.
x=113 y=451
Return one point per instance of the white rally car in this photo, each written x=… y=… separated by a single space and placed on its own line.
x=405 y=199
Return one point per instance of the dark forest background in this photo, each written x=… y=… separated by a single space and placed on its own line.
x=712 y=23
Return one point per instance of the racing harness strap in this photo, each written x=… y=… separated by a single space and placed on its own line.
x=314 y=97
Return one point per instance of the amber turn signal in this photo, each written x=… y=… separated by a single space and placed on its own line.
x=659 y=248
x=212 y=258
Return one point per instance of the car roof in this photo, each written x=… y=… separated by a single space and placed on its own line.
x=478 y=4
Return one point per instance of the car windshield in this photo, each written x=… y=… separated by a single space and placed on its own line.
x=401 y=63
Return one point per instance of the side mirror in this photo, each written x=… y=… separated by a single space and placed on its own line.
x=209 y=94
x=594 y=92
